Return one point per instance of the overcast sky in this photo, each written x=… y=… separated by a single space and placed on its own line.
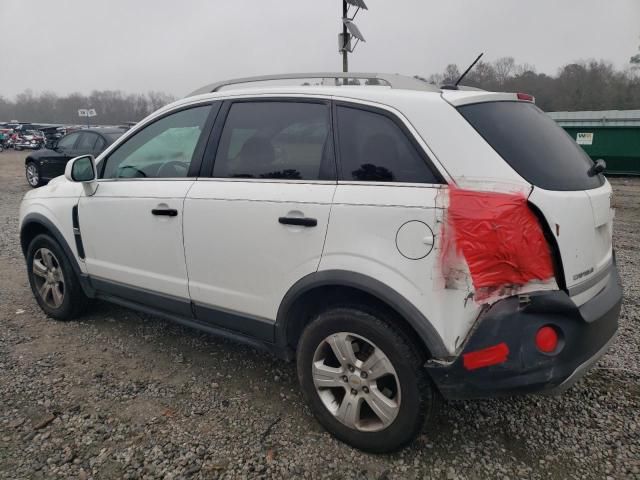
x=177 y=46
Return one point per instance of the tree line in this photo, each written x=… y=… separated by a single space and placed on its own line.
x=112 y=107
x=592 y=85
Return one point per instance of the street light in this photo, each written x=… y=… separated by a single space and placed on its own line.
x=349 y=29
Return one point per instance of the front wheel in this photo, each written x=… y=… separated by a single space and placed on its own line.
x=32 y=172
x=52 y=279
x=363 y=379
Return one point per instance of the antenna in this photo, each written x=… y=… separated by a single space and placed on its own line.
x=468 y=69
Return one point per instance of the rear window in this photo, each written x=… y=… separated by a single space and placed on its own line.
x=531 y=142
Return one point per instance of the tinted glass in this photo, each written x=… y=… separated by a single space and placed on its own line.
x=112 y=137
x=67 y=142
x=374 y=148
x=280 y=140
x=163 y=149
x=99 y=145
x=87 y=141
x=533 y=144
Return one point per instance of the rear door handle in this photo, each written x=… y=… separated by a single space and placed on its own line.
x=301 y=221
x=167 y=212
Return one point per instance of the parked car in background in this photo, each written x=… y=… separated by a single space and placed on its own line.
x=29 y=140
x=53 y=134
x=5 y=134
x=43 y=165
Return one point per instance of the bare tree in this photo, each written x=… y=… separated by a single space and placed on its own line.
x=594 y=85
x=113 y=107
x=635 y=61
x=504 y=67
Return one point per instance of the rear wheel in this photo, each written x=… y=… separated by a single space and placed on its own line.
x=364 y=379
x=32 y=172
x=52 y=279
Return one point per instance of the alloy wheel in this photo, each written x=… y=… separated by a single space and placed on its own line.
x=48 y=277
x=32 y=175
x=356 y=382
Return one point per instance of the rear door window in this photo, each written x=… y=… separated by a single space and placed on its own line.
x=276 y=140
x=100 y=144
x=533 y=144
x=67 y=142
x=374 y=148
x=87 y=142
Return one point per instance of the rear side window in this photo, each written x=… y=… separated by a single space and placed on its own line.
x=531 y=142
x=374 y=148
x=87 y=141
x=276 y=140
x=100 y=144
x=67 y=142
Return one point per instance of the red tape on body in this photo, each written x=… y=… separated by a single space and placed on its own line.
x=499 y=237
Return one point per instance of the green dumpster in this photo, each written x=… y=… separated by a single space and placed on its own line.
x=613 y=135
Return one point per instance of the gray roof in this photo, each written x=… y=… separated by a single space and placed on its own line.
x=598 y=118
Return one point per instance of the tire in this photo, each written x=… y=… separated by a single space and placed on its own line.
x=61 y=302
x=32 y=173
x=410 y=396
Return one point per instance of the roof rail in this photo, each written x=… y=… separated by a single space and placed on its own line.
x=390 y=80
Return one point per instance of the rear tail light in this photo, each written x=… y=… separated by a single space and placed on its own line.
x=547 y=339
x=526 y=97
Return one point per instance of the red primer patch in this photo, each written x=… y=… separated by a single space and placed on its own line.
x=498 y=236
x=486 y=357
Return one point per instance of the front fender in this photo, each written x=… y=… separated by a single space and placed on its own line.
x=37 y=222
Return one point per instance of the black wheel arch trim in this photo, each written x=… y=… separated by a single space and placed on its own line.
x=39 y=219
x=344 y=278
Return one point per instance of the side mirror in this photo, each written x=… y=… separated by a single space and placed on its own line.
x=81 y=169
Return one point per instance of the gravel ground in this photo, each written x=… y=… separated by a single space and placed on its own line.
x=124 y=395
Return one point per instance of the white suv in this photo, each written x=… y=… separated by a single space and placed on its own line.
x=399 y=241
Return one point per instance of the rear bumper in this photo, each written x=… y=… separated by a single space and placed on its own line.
x=585 y=334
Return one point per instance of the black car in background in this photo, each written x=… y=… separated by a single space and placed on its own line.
x=43 y=165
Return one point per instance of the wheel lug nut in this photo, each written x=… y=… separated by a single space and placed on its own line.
x=354 y=391
x=344 y=378
x=351 y=368
x=363 y=374
x=365 y=389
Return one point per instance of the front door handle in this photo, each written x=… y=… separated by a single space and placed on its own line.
x=167 y=212
x=301 y=221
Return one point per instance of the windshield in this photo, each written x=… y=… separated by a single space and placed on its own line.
x=533 y=144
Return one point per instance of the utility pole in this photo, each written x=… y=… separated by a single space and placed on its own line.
x=345 y=39
x=349 y=31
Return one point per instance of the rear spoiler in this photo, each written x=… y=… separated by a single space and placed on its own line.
x=458 y=98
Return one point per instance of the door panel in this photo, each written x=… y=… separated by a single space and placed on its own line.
x=239 y=256
x=126 y=243
x=54 y=165
x=259 y=226
x=132 y=225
